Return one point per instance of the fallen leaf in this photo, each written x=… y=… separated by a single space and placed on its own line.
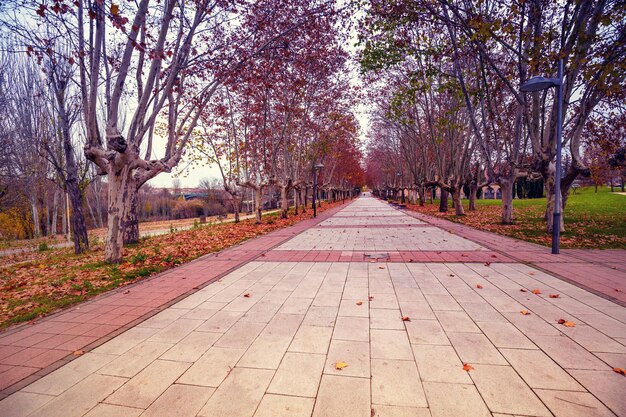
x=567 y=323
x=525 y=312
x=450 y=275
x=359 y=303
x=554 y=295
x=381 y=267
x=371 y=297
x=536 y=291
x=531 y=273
x=523 y=290
x=493 y=256
x=340 y=365
x=561 y=321
x=247 y=295
x=479 y=286
x=620 y=371
x=372 y=262
x=487 y=263
x=406 y=318
x=78 y=352
x=126 y=292
x=467 y=367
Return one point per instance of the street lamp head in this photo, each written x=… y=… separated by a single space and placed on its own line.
x=319 y=166
x=538 y=84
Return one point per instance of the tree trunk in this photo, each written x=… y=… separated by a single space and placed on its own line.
x=472 y=196
x=422 y=196
x=443 y=201
x=35 y=212
x=236 y=202
x=284 y=201
x=506 y=188
x=257 y=204
x=79 y=229
x=118 y=204
x=130 y=220
x=303 y=198
x=55 y=206
x=296 y=193
x=458 y=206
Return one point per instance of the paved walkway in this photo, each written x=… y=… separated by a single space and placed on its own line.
x=402 y=303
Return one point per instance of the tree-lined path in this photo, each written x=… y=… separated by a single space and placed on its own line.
x=400 y=305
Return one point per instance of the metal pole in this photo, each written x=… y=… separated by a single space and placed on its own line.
x=556 y=220
x=314 y=191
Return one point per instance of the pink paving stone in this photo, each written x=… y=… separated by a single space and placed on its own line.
x=77 y=343
x=80 y=329
x=33 y=340
x=6 y=351
x=56 y=340
x=15 y=374
x=47 y=358
x=23 y=356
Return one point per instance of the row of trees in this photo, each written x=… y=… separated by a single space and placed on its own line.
x=130 y=89
x=448 y=109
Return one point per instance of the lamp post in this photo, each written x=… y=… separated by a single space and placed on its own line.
x=539 y=84
x=316 y=167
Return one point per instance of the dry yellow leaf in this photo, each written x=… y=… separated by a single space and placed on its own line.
x=340 y=365
x=359 y=303
x=525 y=312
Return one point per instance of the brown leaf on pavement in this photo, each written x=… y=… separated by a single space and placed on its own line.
x=567 y=323
x=523 y=290
x=359 y=303
x=620 y=371
x=126 y=292
x=247 y=295
x=371 y=297
x=381 y=267
x=487 y=263
x=554 y=295
x=340 y=365
x=479 y=286
x=525 y=312
x=467 y=367
x=537 y=291
x=406 y=318
x=78 y=352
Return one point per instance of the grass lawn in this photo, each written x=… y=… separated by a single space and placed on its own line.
x=592 y=220
x=49 y=280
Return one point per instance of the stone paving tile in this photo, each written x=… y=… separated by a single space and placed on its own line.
x=239 y=395
x=440 y=364
x=179 y=401
x=298 y=375
x=505 y=335
x=608 y=386
x=390 y=344
x=141 y=390
x=379 y=410
x=22 y=404
x=212 y=367
x=81 y=398
x=311 y=339
x=396 y=382
x=355 y=354
x=427 y=332
x=110 y=410
x=132 y=362
x=573 y=404
x=351 y=328
x=191 y=347
x=490 y=381
x=341 y=396
x=539 y=371
x=475 y=348
x=67 y=376
x=284 y=406
x=453 y=400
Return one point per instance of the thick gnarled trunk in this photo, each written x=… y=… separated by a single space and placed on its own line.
x=443 y=201
x=456 y=198
x=506 y=188
x=130 y=219
x=119 y=201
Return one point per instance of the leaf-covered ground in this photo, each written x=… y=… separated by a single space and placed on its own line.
x=57 y=278
x=592 y=220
